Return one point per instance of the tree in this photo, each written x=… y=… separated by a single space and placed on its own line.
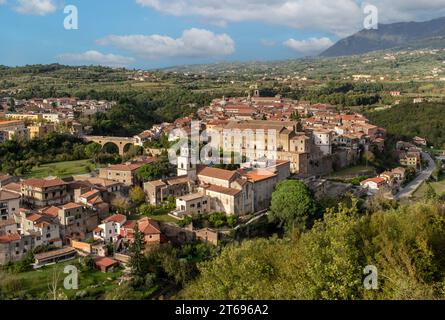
x=368 y=157
x=327 y=261
x=137 y=261
x=137 y=195
x=132 y=152
x=155 y=170
x=121 y=204
x=92 y=150
x=146 y=209
x=54 y=284
x=331 y=255
x=292 y=204
x=437 y=172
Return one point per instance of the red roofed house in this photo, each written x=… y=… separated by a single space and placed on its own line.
x=75 y=220
x=374 y=184
x=105 y=263
x=151 y=231
x=149 y=228
x=43 y=228
x=14 y=247
x=9 y=204
x=110 y=229
x=44 y=193
x=124 y=173
x=93 y=199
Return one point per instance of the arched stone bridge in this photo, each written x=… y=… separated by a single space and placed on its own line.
x=120 y=142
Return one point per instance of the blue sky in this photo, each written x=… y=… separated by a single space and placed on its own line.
x=158 y=33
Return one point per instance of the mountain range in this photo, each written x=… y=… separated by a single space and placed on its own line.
x=401 y=35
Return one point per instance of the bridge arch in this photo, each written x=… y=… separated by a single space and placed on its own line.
x=121 y=143
x=110 y=147
x=127 y=147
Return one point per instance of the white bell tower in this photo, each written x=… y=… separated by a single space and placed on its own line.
x=185 y=165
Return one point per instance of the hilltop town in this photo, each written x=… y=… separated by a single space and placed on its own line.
x=96 y=214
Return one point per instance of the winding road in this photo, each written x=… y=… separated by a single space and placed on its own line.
x=415 y=184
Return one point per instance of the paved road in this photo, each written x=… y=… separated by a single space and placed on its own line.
x=258 y=215
x=415 y=184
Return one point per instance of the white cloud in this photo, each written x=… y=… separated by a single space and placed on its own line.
x=96 y=57
x=192 y=43
x=35 y=7
x=409 y=10
x=309 y=46
x=337 y=17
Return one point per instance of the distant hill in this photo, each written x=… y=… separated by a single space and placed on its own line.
x=409 y=120
x=402 y=35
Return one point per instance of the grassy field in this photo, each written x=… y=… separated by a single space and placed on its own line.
x=62 y=169
x=439 y=188
x=36 y=284
x=164 y=218
x=352 y=172
x=158 y=217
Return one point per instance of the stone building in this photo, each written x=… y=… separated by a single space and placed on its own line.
x=43 y=193
x=9 y=204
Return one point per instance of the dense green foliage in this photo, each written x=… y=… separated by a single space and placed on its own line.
x=138 y=111
x=158 y=169
x=168 y=266
x=213 y=220
x=137 y=260
x=292 y=204
x=408 y=120
x=19 y=157
x=327 y=262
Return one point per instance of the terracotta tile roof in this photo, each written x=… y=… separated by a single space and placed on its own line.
x=90 y=194
x=217 y=173
x=34 y=217
x=191 y=196
x=4 y=177
x=377 y=180
x=177 y=180
x=156 y=183
x=259 y=125
x=6 y=195
x=223 y=190
x=42 y=183
x=103 y=182
x=71 y=205
x=129 y=224
x=13 y=187
x=50 y=211
x=54 y=253
x=43 y=224
x=148 y=226
x=105 y=262
x=9 y=238
x=126 y=167
x=118 y=218
x=8 y=222
x=257 y=176
x=95 y=200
